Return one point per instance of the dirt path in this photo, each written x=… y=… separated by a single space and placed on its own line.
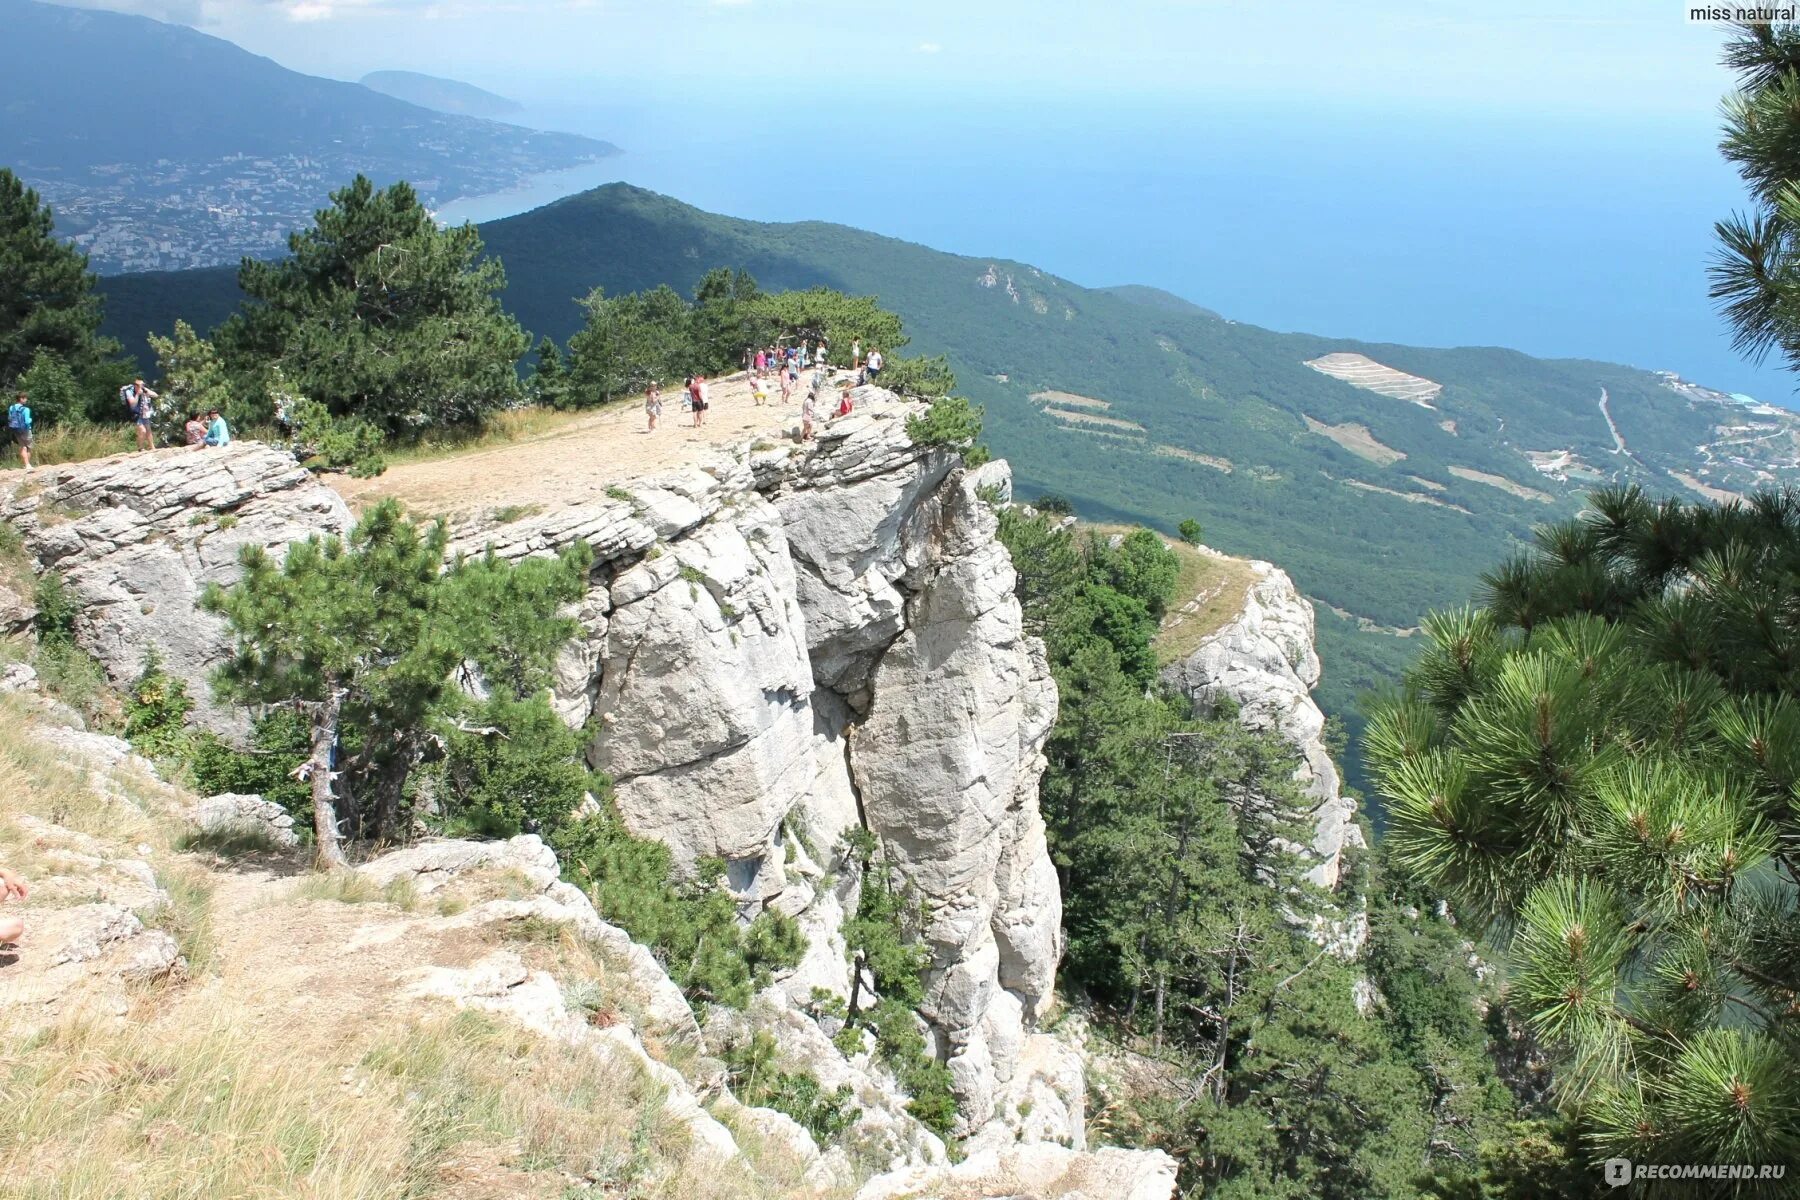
x=1618 y=440
x=580 y=460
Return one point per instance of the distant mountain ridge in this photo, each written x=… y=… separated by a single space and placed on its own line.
x=162 y=146
x=441 y=95
x=1383 y=478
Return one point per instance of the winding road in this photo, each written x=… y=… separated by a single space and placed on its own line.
x=1618 y=441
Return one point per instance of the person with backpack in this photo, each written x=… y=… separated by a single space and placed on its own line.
x=18 y=424
x=140 y=402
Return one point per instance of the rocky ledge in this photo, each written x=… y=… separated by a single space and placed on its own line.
x=1265 y=661
x=781 y=643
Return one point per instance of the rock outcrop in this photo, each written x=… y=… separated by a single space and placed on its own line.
x=137 y=538
x=781 y=643
x=1264 y=661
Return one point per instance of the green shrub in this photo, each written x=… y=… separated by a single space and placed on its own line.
x=56 y=610
x=951 y=421
x=337 y=443
x=692 y=927
x=279 y=743
x=884 y=937
x=759 y=1081
x=510 y=766
x=156 y=712
x=923 y=378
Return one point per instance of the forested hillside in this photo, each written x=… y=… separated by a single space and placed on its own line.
x=1140 y=408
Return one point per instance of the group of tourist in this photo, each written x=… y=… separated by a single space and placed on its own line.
x=785 y=363
x=201 y=429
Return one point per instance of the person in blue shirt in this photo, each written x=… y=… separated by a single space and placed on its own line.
x=18 y=426
x=217 y=432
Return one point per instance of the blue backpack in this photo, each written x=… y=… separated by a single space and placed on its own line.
x=18 y=417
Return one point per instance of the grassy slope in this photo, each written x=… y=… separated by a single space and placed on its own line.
x=1191 y=379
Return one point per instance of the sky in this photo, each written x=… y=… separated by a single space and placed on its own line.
x=1632 y=57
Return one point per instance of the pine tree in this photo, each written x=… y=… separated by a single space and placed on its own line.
x=1756 y=271
x=379 y=314
x=47 y=301
x=193 y=378
x=627 y=342
x=1602 y=768
x=728 y=318
x=364 y=636
x=549 y=385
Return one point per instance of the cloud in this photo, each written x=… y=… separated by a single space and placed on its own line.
x=929 y=48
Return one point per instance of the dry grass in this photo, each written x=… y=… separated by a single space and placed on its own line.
x=1409 y=497
x=72 y=443
x=347 y=887
x=452 y=1105
x=186 y=915
x=1215 y=589
x=1071 y=400
x=1205 y=460
x=322 y=1082
x=1209 y=594
x=41 y=779
x=1088 y=418
x=1715 y=494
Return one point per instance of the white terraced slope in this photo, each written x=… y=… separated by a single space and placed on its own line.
x=1361 y=371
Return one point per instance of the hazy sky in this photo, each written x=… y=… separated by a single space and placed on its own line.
x=1622 y=57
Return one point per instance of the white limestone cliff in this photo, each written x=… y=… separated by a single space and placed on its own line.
x=780 y=644
x=137 y=539
x=1265 y=661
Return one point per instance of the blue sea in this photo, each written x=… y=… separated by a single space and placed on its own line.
x=1559 y=234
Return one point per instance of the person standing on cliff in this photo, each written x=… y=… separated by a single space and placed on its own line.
x=18 y=427
x=699 y=397
x=875 y=362
x=653 y=404
x=140 y=402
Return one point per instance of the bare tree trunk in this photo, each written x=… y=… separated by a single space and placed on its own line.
x=330 y=855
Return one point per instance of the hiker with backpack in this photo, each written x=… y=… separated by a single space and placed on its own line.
x=18 y=424
x=140 y=402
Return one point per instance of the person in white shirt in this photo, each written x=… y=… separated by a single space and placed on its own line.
x=875 y=362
